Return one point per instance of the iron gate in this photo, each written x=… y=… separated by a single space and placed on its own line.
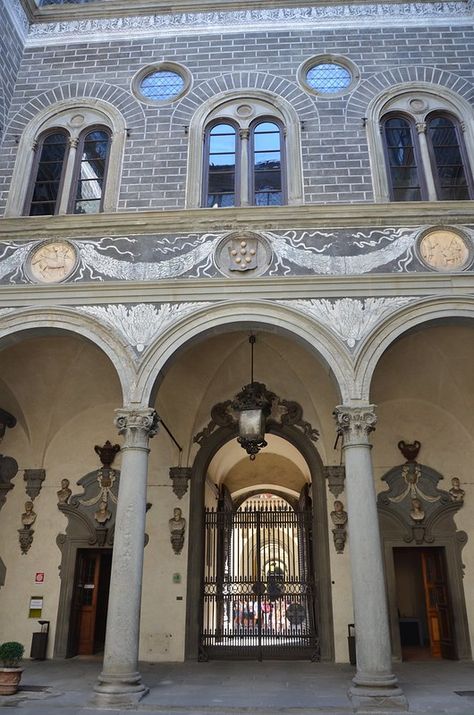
x=258 y=592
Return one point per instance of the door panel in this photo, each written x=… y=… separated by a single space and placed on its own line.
x=437 y=604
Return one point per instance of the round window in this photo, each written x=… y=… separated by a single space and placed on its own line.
x=328 y=78
x=162 y=83
x=162 y=86
x=328 y=75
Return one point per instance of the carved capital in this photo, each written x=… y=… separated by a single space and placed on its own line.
x=137 y=426
x=355 y=423
x=421 y=127
x=73 y=142
x=34 y=479
x=244 y=133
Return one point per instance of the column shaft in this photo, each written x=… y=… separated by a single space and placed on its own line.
x=120 y=681
x=375 y=687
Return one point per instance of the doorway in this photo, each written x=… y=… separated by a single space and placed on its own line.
x=425 y=617
x=90 y=601
x=258 y=589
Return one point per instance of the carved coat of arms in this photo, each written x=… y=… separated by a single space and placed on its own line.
x=243 y=253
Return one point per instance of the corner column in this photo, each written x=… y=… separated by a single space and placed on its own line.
x=374 y=687
x=120 y=682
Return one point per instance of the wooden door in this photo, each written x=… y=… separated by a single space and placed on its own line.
x=87 y=593
x=437 y=604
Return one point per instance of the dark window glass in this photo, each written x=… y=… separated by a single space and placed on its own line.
x=221 y=150
x=328 y=77
x=449 y=172
x=93 y=150
x=401 y=158
x=45 y=196
x=267 y=180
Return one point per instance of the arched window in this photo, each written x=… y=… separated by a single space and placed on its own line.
x=451 y=173
x=402 y=159
x=245 y=159
x=221 y=168
x=266 y=166
x=420 y=149
x=73 y=157
x=91 y=168
x=48 y=173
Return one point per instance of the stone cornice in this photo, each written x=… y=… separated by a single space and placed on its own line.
x=105 y=21
x=208 y=220
x=215 y=289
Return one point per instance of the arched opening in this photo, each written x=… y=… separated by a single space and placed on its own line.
x=423 y=502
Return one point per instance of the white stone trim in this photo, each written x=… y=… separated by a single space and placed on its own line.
x=320 y=17
x=18 y=17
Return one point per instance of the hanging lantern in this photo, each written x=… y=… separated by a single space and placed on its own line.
x=254 y=404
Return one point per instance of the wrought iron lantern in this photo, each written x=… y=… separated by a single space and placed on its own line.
x=254 y=404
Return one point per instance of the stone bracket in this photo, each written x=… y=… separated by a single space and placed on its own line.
x=180 y=477
x=335 y=476
x=34 y=479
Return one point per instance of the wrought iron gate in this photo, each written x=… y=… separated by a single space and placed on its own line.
x=258 y=592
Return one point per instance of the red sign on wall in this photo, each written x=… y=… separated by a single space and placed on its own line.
x=39 y=577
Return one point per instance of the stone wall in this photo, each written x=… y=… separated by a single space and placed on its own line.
x=334 y=141
x=11 y=48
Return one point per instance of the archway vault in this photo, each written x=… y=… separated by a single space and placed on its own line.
x=209 y=447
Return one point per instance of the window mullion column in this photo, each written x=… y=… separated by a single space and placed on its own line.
x=68 y=177
x=426 y=161
x=244 y=167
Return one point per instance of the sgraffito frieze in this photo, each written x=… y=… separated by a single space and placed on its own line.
x=329 y=15
x=208 y=255
x=351 y=319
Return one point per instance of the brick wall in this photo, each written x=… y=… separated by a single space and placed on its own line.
x=11 y=48
x=334 y=145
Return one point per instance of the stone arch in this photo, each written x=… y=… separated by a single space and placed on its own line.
x=425 y=311
x=219 y=89
x=103 y=112
x=209 y=447
x=116 y=97
x=229 y=316
x=404 y=77
x=63 y=320
x=442 y=97
x=288 y=109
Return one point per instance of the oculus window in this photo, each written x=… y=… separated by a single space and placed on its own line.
x=328 y=75
x=160 y=84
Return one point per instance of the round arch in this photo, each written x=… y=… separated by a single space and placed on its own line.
x=209 y=447
x=62 y=320
x=430 y=310
x=228 y=317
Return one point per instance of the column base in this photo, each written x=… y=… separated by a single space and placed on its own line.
x=376 y=695
x=123 y=690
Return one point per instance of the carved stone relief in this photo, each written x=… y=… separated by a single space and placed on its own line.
x=336 y=476
x=34 y=479
x=177 y=527
x=180 y=477
x=339 y=519
x=26 y=533
x=415 y=500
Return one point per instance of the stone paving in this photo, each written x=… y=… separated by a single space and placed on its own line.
x=235 y=688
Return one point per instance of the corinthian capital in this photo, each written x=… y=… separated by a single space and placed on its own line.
x=137 y=426
x=355 y=423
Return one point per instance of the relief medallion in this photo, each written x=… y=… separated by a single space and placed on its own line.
x=52 y=262
x=444 y=250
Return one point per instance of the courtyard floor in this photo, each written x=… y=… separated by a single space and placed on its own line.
x=64 y=687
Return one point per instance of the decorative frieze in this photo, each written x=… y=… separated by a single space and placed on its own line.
x=350 y=318
x=327 y=16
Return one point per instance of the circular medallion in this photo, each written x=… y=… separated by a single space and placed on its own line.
x=243 y=252
x=417 y=105
x=444 y=250
x=52 y=262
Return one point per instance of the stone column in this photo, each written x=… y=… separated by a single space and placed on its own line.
x=120 y=682
x=426 y=161
x=374 y=687
x=68 y=176
x=244 y=166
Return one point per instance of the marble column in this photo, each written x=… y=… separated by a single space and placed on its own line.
x=120 y=682
x=374 y=687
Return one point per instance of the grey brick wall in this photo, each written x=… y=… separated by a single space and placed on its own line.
x=11 y=48
x=334 y=144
